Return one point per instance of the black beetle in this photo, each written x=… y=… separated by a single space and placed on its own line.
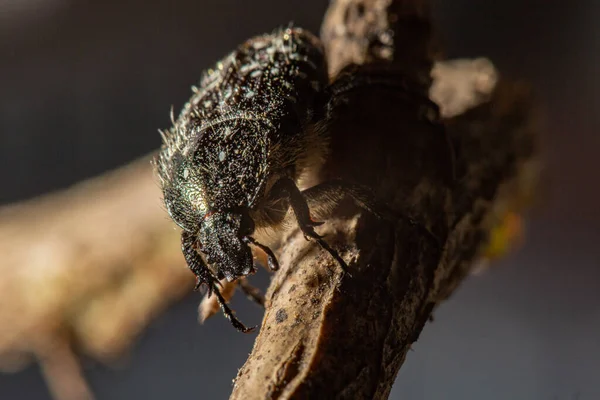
x=234 y=157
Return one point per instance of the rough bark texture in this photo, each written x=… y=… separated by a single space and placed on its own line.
x=329 y=335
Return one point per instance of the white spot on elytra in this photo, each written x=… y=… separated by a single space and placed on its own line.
x=186 y=173
x=222 y=156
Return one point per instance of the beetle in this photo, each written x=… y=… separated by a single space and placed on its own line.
x=232 y=161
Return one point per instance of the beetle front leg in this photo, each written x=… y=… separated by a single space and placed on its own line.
x=196 y=263
x=271 y=259
x=203 y=275
x=237 y=324
x=251 y=292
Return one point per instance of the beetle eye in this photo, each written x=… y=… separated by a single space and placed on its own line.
x=246 y=224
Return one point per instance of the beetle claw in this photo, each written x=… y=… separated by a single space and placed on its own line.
x=237 y=324
x=271 y=259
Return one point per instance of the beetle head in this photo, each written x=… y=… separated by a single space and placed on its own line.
x=222 y=236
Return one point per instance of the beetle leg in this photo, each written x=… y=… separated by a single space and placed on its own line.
x=288 y=188
x=204 y=276
x=237 y=324
x=271 y=259
x=196 y=263
x=329 y=194
x=252 y=292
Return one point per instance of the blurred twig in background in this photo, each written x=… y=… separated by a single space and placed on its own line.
x=87 y=267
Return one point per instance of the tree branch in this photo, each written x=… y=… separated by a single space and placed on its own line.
x=326 y=335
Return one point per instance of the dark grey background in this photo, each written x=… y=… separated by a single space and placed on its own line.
x=85 y=84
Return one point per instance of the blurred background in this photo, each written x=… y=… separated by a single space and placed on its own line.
x=84 y=85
